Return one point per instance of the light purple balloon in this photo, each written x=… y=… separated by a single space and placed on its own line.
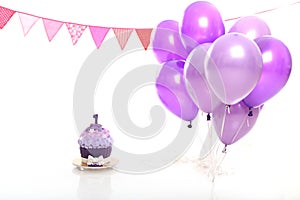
x=167 y=43
x=172 y=92
x=252 y=26
x=277 y=66
x=233 y=67
x=231 y=124
x=195 y=80
x=202 y=23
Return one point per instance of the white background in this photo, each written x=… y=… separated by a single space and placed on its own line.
x=39 y=137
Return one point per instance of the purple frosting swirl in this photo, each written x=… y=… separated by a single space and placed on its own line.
x=95 y=137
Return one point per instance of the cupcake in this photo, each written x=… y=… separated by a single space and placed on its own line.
x=95 y=145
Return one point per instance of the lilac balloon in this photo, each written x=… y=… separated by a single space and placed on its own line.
x=172 y=92
x=231 y=124
x=252 y=26
x=233 y=67
x=277 y=66
x=202 y=23
x=167 y=43
x=195 y=80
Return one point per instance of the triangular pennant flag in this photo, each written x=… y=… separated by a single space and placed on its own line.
x=5 y=15
x=122 y=35
x=144 y=35
x=75 y=31
x=27 y=22
x=51 y=27
x=98 y=34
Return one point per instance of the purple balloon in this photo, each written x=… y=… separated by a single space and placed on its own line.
x=233 y=123
x=252 y=26
x=172 y=92
x=195 y=80
x=167 y=43
x=233 y=67
x=202 y=23
x=277 y=66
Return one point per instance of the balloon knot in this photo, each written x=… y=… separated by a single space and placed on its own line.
x=227 y=108
x=224 y=149
x=250 y=114
x=190 y=125
x=208 y=117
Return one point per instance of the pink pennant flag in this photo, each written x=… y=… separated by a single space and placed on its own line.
x=51 y=27
x=27 y=22
x=98 y=34
x=144 y=35
x=75 y=31
x=122 y=35
x=5 y=15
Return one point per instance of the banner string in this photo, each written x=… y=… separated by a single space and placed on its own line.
x=264 y=11
x=98 y=33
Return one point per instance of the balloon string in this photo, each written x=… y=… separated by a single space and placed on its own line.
x=264 y=11
x=209 y=126
x=223 y=122
x=212 y=191
x=217 y=164
x=241 y=126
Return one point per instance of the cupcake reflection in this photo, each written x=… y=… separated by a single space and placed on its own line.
x=94 y=184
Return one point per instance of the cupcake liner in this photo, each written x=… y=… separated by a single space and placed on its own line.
x=105 y=152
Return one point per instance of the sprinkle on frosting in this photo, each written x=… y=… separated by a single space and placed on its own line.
x=95 y=136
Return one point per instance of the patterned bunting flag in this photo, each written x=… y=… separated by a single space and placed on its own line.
x=98 y=34
x=122 y=35
x=51 y=27
x=27 y=22
x=5 y=15
x=144 y=35
x=75 y=31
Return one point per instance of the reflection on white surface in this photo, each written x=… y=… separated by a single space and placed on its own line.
x=94 y=184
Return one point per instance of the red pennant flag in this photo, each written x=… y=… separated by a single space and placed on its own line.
x=75 y=31
x=122 y=35
x=144 y=35
x=51 y=27
x=27 y=22
x=98 y=34
x=5 y=15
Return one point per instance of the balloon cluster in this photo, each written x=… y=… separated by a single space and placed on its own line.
x=227 y=75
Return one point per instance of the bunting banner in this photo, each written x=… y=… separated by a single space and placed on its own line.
x=51 y=27
x=5 y=15
x=75 y=31
x=144 y=36
x=27 y=22
x=122 y=35
x=98 y=33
